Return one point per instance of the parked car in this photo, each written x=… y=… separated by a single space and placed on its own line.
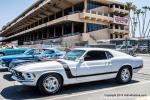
x=5 y=52
x=78 y=66
x=126 y=49
x=142 y=49
x=48 y=54
x=31 y=54
x=103 y=45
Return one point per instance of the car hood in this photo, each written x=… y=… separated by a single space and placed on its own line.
x=13 y=56
x=21 y=61
x=39 y=66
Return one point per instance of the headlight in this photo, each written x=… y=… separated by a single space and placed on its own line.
x=29 y=76
x=11 y=65
x=2 y=63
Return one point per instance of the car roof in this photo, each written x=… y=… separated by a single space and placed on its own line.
x=88 y=49
x=50 y=48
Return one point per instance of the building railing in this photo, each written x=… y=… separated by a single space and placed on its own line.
x=99 y=13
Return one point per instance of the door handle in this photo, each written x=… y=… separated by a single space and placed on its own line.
x=108 y=63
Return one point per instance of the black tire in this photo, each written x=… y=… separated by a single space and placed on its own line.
x=41 y=87
x=131 y=53
x=119 y=76
x=2 y=54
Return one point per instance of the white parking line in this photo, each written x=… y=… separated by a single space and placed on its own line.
x=95 y=91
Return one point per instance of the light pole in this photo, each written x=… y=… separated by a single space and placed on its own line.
x=126 y=42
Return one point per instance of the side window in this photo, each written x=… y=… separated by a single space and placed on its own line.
x=49 y=51
x=109 y=55
x=123 y=47
x=129 y=46
x=95 y=55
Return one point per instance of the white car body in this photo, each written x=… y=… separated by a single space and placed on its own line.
x=78 y=71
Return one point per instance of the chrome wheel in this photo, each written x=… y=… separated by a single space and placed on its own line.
x=51 y=84
x=125 y=75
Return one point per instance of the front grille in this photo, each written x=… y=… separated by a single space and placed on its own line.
x=18 y=75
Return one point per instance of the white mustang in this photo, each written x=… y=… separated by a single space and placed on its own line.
x=78 y=66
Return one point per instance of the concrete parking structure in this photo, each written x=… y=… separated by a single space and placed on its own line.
x=76 y=21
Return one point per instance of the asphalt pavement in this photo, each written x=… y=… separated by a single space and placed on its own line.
x=138 y=89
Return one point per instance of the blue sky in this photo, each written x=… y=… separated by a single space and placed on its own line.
x=138 y=3
x=9 y=9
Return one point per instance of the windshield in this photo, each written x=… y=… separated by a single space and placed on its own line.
x=74 y=54
x=48 y=52
x=118 y=46
x=33 y=52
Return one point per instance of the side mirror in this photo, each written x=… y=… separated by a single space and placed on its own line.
x=81 y=60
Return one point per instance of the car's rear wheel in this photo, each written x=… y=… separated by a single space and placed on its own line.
x=49 y=84
x=124 y=75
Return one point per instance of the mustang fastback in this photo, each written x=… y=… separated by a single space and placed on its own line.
x=78 y=65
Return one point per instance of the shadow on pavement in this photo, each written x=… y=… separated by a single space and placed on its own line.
x=8 y=77
x=3 y=70
x=24 y=92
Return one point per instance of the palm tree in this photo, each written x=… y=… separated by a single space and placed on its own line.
x=138 y=12
x=148 y=24
x=144 y=15
x=130 y=7
x=134 y=24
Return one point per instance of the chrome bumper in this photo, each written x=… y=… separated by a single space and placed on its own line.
x=19 y=80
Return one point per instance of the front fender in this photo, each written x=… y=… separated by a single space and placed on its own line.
x=61 y=73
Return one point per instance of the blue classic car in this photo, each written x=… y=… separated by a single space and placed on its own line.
x=31 y=55
x=5 y=52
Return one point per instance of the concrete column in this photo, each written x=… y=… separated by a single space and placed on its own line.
x=85 y=27
x=62 y=12
x=62 y=30
x=85 y=5
x=42 y=33
x=54 y=31
x=72 y=8
x=24 y=38
x=119 y=27
x=114 y=6
x=37 y=36
x=114 y=36
x=47 y=32
x=72 y=28
x=113 y=26
x=54 y=16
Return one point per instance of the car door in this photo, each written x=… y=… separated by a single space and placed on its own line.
x=95 y=63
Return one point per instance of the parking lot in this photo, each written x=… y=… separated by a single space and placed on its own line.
x=138 y=89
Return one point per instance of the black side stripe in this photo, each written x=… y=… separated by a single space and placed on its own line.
x=138 y=67
x=67 y=69
x=69 y=74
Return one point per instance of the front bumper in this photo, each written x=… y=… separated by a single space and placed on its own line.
x=24 y=82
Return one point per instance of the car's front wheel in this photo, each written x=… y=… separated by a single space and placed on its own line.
x=124 y=75
x=50 y=84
